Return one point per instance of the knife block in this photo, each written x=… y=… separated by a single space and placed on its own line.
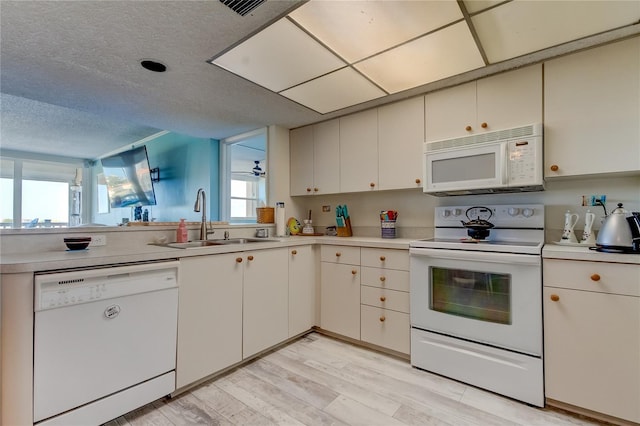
x=345 y=231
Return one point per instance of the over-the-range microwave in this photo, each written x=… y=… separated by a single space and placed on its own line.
x=508 y=160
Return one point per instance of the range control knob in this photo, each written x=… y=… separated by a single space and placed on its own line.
x=513 y=211
x=446 y=213
x=527 y=212
x=457 y=212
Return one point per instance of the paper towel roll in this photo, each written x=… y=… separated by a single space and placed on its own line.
x=281 y=225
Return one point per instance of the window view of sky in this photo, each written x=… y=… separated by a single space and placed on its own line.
x=40 y=199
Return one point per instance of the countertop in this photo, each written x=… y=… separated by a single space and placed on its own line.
x=101 y=256
x=555 y=251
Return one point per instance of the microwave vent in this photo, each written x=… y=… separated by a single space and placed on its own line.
x=499 y=135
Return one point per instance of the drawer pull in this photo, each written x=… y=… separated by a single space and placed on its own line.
x=383 y=279
x=382 y=258
x=382 y=318
x=382 y=298
x=239 y=259
x=372 y=185
x=555 y=297
x=294 y=252
x=308 y=189
x=338 y=254
x=468 y=128
x=554 y=167
x=418 y=181
x=595 y=277
x=315 y=189
x=484 y=125
x=249 y=257
x=353 y=272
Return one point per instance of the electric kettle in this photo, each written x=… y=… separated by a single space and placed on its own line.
x=618 y=232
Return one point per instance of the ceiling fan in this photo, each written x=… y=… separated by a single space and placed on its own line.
x=257 y=171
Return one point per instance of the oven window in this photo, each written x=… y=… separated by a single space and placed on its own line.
x=484 y=296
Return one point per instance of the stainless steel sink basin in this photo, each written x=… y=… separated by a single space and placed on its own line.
x=193 y=244
x=211 y=243
x=245 y=240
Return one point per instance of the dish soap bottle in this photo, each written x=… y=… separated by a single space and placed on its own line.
x=182 y=236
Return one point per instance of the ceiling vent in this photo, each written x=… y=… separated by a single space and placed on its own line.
x=242 y=7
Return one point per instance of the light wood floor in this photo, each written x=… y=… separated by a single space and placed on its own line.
x=318 y=380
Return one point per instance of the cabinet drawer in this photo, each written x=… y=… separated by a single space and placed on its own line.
x=385 y=258
x=383 y=298
x=385 y=278
x=614 y=278
x=340 y=254
x=385 y=328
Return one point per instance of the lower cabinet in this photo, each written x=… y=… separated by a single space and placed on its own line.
x=592 y=336
x=265 y=314
x=302 y=289
x=209 y=316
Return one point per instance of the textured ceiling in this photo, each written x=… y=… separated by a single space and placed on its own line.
x=82 y=59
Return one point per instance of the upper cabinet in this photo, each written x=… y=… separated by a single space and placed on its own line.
x=315 y=155
x=359 y=151
x=400 y=141
x=592 y=111
x=498 y=102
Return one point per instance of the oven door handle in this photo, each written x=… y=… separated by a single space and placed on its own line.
x=477 y=256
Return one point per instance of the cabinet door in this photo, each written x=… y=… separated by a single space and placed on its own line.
x=400 y=142
x=209 y=316
x=302 y=289
x=340 y=299
x=359 y=152
x=592 y=111
x=266 y=300
x=592 y=348
x=301 y=160
x=448 y=112
x=326 y=157
x=510 y=99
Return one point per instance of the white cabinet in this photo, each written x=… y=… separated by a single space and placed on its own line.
x=340 y=290
x=502 y=101
x=592 y=336
x=315 y=158
x=384 y=299
x=302 y=289
x=265 y=313
x=592 y=111
x=359 y=151
x=400 y=141
x=209 y=316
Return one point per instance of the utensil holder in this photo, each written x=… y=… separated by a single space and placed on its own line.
x=388 y=228
x=345 y=231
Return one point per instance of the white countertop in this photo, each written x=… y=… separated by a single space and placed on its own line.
x=555 y=251
x=100 y=256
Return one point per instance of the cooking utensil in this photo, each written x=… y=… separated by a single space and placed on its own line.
x=616 y=232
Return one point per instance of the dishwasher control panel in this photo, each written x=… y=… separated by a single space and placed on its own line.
x=71 y=288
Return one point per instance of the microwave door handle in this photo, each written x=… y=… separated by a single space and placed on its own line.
x=504 y=171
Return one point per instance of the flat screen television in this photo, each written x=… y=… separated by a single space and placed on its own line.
x=128 y=178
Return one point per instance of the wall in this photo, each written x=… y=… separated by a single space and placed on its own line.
x=186 y=164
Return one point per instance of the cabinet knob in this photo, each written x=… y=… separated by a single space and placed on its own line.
x=382 y=318
x=338 y=254
x=418 y=181
x=484 y=125
x=468 y=128
x=353 y=272
x=308 y=189
x=239 y=259
x=315 y=189
x=595 y=277
x=249 y=258
x=294 y=252
x=555 y=297
x=383 y=279
x=382 y=298
x=554 y=167
x=372 y=185
x=382 y=258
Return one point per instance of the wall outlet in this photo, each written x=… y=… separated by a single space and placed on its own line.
x=98 y=240
x=594 y=200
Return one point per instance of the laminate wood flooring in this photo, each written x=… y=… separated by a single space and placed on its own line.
x=318 y=380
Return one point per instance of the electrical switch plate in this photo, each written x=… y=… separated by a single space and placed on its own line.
x=98 y=240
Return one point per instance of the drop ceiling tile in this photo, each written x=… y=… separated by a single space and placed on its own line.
x=278 y=57
x=522 y=27
x=334 y=91
x=359 y=29
x=433 y=57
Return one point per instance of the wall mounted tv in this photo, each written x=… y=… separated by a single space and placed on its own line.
x=128 y=178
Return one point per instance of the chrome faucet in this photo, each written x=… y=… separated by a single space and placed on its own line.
x=196 y=208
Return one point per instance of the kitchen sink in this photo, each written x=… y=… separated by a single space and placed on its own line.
x=193 y=244
x=211 y=243
x=245 y=240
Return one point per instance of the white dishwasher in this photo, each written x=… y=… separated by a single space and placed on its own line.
x=104 y=341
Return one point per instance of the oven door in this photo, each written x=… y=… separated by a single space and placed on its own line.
x=485 y=297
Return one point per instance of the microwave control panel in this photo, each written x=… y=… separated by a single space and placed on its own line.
x=525 y=157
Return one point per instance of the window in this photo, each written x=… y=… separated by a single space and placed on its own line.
x=243 y=176
x=36 y=193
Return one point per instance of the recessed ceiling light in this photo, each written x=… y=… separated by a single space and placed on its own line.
x=154 y=66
